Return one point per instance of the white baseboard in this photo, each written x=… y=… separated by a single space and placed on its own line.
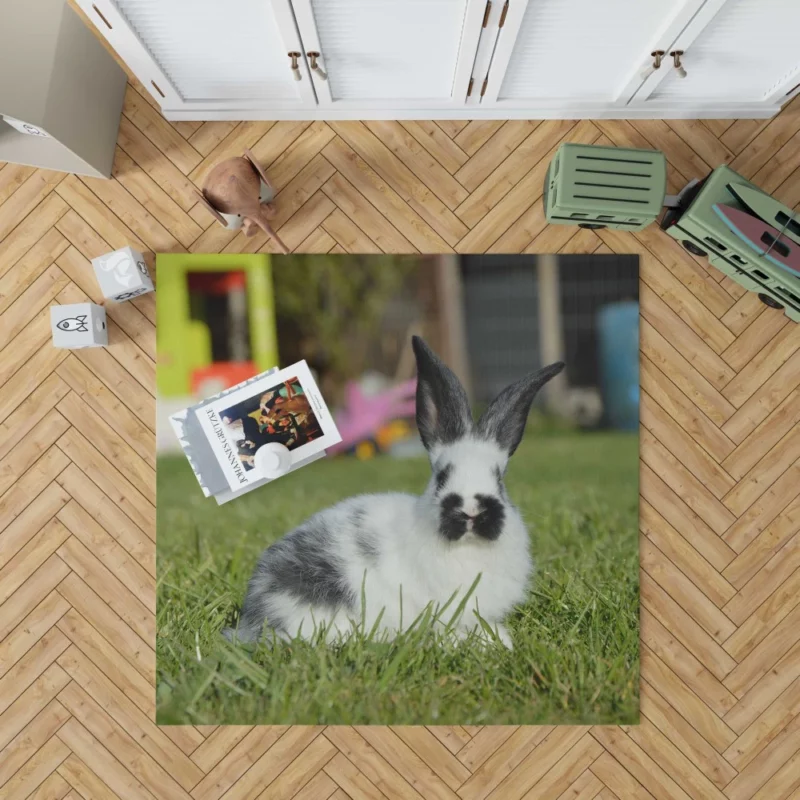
x=651 y=111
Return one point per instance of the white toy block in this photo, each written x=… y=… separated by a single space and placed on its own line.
x=78 y=325
x=122 y=274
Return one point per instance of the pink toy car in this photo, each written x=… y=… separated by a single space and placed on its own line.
x=366 y=423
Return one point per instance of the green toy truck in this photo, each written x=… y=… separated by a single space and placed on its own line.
x=696 y=225
x=610 y=187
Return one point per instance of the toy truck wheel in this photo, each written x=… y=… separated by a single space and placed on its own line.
x=592 y=226
x=769 y=301
x=693 y=248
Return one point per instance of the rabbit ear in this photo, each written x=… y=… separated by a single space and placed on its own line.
x=443 y=412
x=504 y=420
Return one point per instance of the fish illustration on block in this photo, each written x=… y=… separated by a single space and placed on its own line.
x=763 y=238
x=77 y=324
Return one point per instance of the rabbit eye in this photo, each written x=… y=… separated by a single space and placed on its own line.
x=498 y=476
x=442 y=476
x=452 y=503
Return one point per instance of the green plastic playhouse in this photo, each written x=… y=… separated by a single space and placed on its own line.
x=605 y=187
x=184 y=338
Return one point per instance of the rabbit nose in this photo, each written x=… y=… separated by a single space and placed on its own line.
x=471 y=509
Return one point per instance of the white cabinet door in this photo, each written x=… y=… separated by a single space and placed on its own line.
x=208 y=54
x=390 y=54
x=734 y=51
x=556 y=54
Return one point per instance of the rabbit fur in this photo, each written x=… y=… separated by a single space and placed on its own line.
x=400 y=553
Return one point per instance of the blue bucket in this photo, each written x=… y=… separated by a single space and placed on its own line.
x=618 y=329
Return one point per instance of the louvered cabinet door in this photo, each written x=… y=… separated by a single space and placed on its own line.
x=389 y=54
x=207 y=54
x=734 y=52
x=554 y=54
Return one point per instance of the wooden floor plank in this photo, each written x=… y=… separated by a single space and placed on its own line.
x=437 y=143
x=81 y=597
x=93 y=572
x=416 y=158
x=12 y=176
x=119 y=743
x=105 y=770
x=84 y=782
x=121 y=709
x=31 y=266
x=148 y=193
x=41 y=656
x=160 y=132
x=513 y=189
x=763 y=730
x=509 y=754
x=31 y=702
x=684 y=375
x=762 y=586
x=30 y=778
x=758 y=662
x=31 y=738
x=302 y=149
x=26 y=198
x=670 y=729
x=763 y=511
x=30 y=630
x=720 y=446
x=494 y=152
x=144 y=153
x=26 y=235
x=497 y=183
x=643 y=768
x=379 y=158
x=103 y=655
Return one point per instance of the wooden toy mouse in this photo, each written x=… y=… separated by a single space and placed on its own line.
x=237 y=193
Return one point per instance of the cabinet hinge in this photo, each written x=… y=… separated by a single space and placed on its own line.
x=469 y=88
x=486 y=13
x=503 y=15
x=483 y=88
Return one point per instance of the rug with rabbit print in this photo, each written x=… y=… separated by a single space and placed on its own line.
x=467 y=554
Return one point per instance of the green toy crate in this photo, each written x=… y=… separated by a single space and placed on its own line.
x=605 y=187
x=695 y=224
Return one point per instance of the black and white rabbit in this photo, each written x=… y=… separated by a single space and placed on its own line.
x=379 y=547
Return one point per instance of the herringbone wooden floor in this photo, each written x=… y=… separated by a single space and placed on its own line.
x=720 y=466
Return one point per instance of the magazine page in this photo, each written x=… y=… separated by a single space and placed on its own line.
x=226 y=495
x=284 y=407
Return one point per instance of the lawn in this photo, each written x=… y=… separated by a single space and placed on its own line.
x=576 y=640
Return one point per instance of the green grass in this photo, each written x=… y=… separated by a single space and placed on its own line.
x=576 y=640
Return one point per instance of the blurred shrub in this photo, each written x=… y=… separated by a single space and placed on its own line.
x=330 y=307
